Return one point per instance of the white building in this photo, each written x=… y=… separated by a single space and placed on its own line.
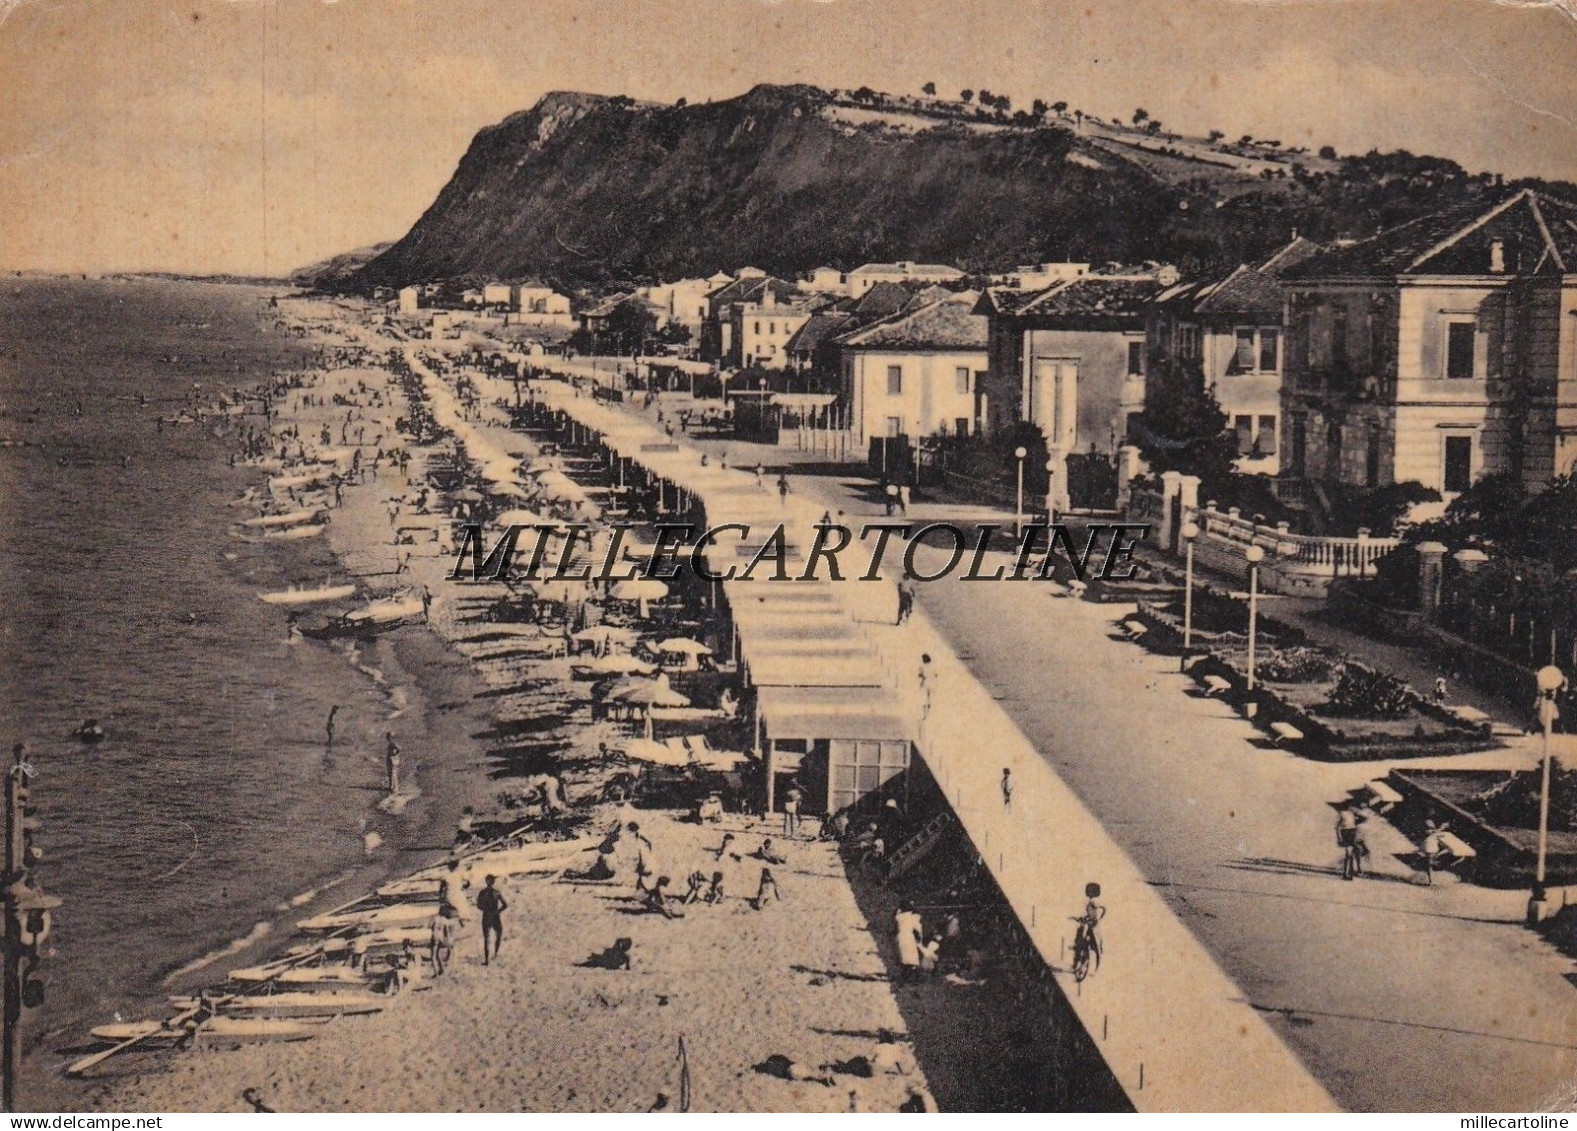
x=1039 y=276
x=825 y=281
x=764 y=328
x=918 y=373
x=682 y=301
x=863 y=278
x=497 y=294
x=410 y=300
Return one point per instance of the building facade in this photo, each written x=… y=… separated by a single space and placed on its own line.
x=916 y=374
x=1229 y=328
x=1439 y=352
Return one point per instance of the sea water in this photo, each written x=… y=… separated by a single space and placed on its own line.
x=214 y=800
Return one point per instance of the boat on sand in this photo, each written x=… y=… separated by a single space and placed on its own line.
x=313 y=596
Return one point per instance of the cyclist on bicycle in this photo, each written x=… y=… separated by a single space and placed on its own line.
x=1090 y=921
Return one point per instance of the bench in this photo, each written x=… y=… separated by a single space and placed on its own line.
x=1216 y=685
x=1134 y=629
x=1384 y=796
x=1459 y=848
x=1285 y=732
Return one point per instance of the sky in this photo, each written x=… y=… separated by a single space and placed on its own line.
x=256 y=136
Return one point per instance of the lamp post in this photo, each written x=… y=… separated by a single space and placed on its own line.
x=1018 y=509
x=1255 y=555
x=1190 y=531
x=1550 y=680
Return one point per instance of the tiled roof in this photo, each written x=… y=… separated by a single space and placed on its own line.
x=820 y=327
x=1537 y=233
x=941 y=325
x=1248 y=290
x=908 y=270
x=883 y=299
x=1094 y=298
x=750 y=289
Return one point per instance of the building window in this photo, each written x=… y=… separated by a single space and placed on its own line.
x=1243 y=358
x=1243 y=426
x=1459 y=351
x=758 y=327
x=961 y=380
x=895 y=381
x=894 y=426
x=1187 y=341
x=1135 y=359
x=1458 y=463
x=1339 y=355
x=1269 y=351
x=1265 y=437
x=961 y=426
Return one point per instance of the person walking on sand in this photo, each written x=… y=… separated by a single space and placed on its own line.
x=907 y=929
x=1007 y=789
x=441 y=938
x=328 y=725
x=490 y=902
x=391 y=762
x=791 y=800
x=783 y=489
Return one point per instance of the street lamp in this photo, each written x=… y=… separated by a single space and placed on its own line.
x=1255 y=555
x=1018 y=509
x=1190 y=531
x=1550 y=680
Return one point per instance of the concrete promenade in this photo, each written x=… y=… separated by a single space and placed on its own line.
x=1176 y=1031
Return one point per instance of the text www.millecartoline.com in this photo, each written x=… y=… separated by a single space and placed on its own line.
x=569 y=552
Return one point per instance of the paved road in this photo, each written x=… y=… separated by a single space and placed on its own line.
x=1397 y=996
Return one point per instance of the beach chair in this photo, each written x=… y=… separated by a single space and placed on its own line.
x=680 y=749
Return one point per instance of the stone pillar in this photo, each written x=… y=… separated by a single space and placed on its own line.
x=1171 y=493
x=1188 y=495
x=1431 y=557
x=1128 y=465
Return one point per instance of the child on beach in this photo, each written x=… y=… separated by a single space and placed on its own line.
x=768 y=886
x=657 y=900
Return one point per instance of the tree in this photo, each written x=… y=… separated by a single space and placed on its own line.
x=674 y=334
x=1038 y=108
x=1004 y=103
x=1246 y=139
x=986 y=98
x=1059 y=108
x=929 y=89
x=865 y=94
x=966 y=96
x=1215 y=136
x=1182 y=427
x=1153 y=126
x=681 y=103
x=1140 y=115
x=1328 y=152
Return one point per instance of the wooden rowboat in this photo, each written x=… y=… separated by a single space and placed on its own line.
x=308 y=596
x=246 y=1029
x=297 y=1003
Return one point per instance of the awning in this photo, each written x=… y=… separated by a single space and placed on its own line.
x=812 y=713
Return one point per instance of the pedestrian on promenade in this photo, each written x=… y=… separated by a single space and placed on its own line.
x=1434 y=851
x=791 y=800
x=1357 y=849
x=1090 y=921
x=1007 y=789
x=905 y=599
x=490 y=902
x=890 y=498
x=328 y=725
x=441 y=938
x=760 y=471
x=391 y=762
x=903 y=498
x=783 y=488
x=927 y=675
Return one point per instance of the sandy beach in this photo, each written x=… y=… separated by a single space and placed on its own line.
x=741 y=991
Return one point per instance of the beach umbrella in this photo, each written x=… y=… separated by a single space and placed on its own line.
x=564 y=592
x=507 y=491
x=520 y=517
x=637 y=692
x=645 y=750
x=640 y=590
x=541 y=465
x=467 y=495
x=684 y=646
x=622 y=662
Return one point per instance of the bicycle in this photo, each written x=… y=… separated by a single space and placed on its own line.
x=1083 y=947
